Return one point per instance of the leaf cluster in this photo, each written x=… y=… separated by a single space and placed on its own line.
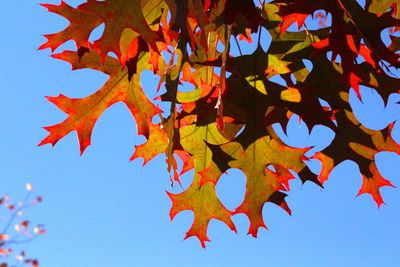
x=226 y=120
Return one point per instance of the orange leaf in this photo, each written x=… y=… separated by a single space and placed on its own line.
x=371 y=185
x=288 y=20
x=84 y=112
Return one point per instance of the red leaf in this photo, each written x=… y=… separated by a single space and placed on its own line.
x=288 y=20
x=372 y=185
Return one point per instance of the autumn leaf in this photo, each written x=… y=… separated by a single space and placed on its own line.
x=74 y=31
x=83 y=113
x=155 y=145
x=262 y=183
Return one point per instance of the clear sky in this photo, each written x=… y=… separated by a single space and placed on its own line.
x=101 y=210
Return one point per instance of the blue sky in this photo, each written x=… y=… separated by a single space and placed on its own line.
x=102 y=210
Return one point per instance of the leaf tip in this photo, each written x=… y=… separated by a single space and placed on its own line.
x=202 y=240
